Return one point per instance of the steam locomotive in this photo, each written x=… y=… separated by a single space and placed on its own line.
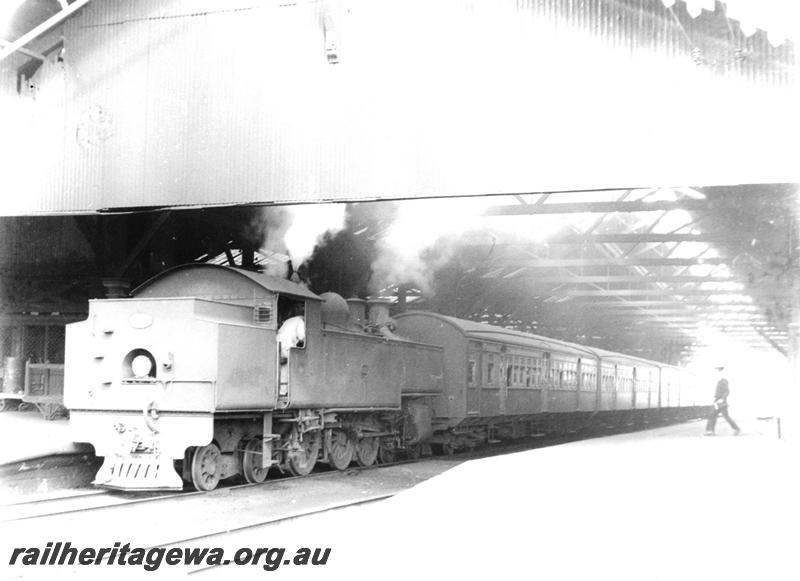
x=186 y=382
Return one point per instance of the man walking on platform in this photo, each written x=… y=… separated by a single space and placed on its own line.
x=720 y=405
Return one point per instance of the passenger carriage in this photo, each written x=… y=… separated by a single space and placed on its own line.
x=509 y=382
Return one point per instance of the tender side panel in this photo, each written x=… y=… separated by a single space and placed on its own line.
x=340 y=369
x=248 y=359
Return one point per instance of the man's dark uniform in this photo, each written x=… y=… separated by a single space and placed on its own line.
x=720 y=407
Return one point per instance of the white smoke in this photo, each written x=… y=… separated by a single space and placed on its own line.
x=307 y=224
x=421 y=238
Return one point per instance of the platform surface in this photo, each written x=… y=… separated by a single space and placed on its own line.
x=28 y=435
x=664 y=504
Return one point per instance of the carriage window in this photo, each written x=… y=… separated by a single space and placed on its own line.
x=528 y=372
x=555 y=372
x=488 y=378
x=471 y=372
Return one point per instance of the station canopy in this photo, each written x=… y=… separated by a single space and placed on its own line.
x=249 y=102
x=628 y=165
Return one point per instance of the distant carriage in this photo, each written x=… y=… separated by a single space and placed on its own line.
x=501 y=383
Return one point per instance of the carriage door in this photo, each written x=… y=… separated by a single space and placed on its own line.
x=546 y=382
x=506 y=369
x=474 y=366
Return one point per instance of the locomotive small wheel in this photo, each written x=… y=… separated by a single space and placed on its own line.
x=50 y=411
x=301 y=462
x=206 y=467
x=367 y=451
x=386 y=454
x=251 y=462
x=341 y=450
x=8 y=404
x=414 y=452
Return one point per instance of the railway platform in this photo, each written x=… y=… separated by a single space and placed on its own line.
x=663 y=504
x=28 y=436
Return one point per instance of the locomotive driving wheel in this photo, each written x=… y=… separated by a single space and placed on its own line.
x=206 y=467
x=7 y=404
x=301 y=461
x=340 y=450
x=251 y=462
x=367 y=451
x=386 y=452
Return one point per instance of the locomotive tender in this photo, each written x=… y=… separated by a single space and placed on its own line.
x=188 y=376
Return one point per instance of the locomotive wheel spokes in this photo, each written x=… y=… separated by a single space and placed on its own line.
x=7 y=405
x=341 y=449
x=386 y=453
x=206 y=467
x=367 y=451
x=251 y=462
x=300 y=462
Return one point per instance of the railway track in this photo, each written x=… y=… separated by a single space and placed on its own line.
x=98 y=500
x=272 y=522
x=74 y=503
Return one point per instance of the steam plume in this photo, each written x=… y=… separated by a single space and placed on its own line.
x=421 y=239
x=296 y=230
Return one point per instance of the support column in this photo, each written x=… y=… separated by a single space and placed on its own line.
x=790 y=403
